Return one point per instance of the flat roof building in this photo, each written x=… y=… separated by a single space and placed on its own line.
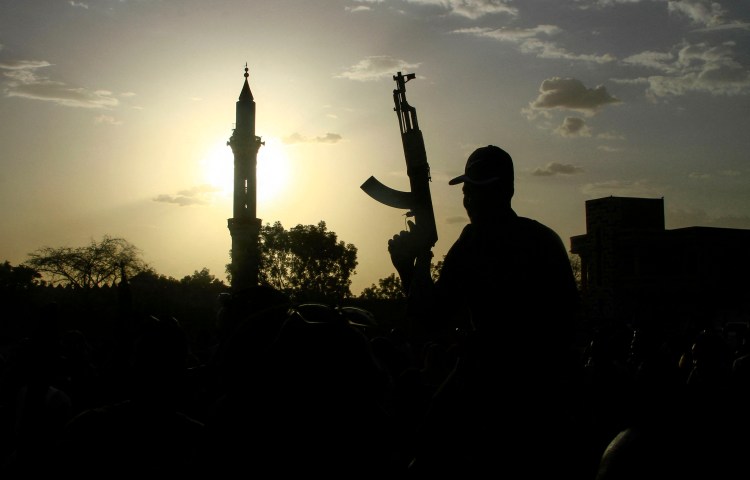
x=633 y=269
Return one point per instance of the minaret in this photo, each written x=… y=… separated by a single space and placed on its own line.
x=244 y=227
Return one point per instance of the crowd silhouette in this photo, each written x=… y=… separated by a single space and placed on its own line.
x=283 y=389
x=303 y=389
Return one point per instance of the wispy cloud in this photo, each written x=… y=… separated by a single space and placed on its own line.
x=511 y=35
x=107 y=119
x=555 y=168
x=721 y=173
x=299 y=138
x=529 y=42
x=361 y=6
x=376 y=67
x=623 y=188
x=610 y=136
x=358 y=8
x=23 y=64
x=703 y=12
x=573 y=127
x=23 y=80
x=588 y=4
x=471 y=8
x=700 y=67
x=685 y=217
x=199 y=195
x=609 y=148
x=78 y=4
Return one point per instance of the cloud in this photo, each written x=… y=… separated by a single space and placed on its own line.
x=472 y=9
x=549 y=50
x=609 y=149
x=375 y=68
x=510 y=35
x=723 y=173
x=22 y=80
x=358 y=8
x=198 y=195
x=528 y=42
x=298 y=138
x=554 y=168
x=697 y=67
x=78 y=4
x=610 y=136
x=733 y=25
x=107 y=119
x=656 y=60
x=570 y=94
x=573 y=127
x=23 y=64
x=707 y=13
x=623 y=188
x=704 y=12
x=680 y=218
x=587 y=4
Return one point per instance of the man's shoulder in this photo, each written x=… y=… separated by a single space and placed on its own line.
x=536 y=227
x=523 y=225
x=531 y=223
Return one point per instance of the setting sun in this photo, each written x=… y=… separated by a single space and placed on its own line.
x=272 y=169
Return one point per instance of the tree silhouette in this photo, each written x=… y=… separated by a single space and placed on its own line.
x=575 y=264
x=94 y=265
x=19 y=277
x=307 y=262
x=388 y=288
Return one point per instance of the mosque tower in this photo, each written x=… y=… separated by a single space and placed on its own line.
x=243 y=226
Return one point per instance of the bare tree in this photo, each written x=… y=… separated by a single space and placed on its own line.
x=94 y=265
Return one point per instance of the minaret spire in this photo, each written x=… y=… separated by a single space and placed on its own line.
x=243 y=226
x=246 y=94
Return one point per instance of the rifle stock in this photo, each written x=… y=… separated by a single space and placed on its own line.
x=418 y=201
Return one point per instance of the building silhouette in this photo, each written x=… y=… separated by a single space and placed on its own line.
x=633 y=269
x=244 y=227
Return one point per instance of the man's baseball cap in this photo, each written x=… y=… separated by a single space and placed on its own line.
x=487 y=165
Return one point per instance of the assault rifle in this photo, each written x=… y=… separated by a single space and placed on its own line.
x=418 y=201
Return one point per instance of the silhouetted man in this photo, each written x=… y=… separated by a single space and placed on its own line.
x=505 y=274
x=508 y=282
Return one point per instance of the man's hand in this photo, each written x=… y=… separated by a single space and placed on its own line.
x=408 y=249
x=404 y=248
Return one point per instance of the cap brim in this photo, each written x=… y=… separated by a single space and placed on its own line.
x=465 y=179
x=457 y=180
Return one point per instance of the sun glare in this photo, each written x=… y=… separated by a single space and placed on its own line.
x=218 y=167
x=272 y=169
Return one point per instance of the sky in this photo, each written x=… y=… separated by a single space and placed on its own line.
x=116 y=115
